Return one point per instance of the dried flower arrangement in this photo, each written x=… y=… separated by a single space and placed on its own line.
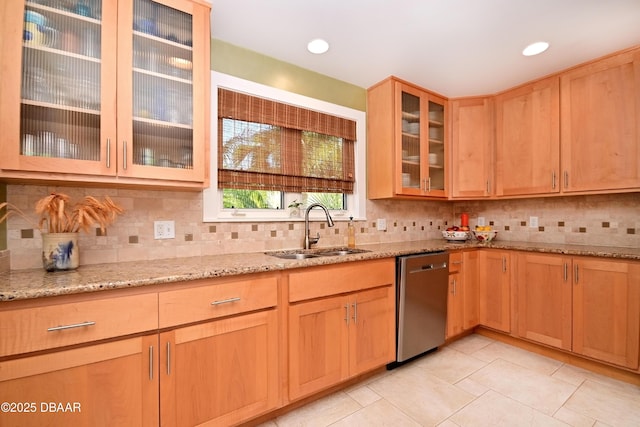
x=57 y=215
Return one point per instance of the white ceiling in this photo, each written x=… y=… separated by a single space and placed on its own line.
x=453 y=47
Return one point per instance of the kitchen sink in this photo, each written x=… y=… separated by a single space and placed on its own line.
x=293 y=255
x=340 y=251
x=314 y=253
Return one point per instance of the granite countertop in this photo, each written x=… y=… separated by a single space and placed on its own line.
x=36 y=283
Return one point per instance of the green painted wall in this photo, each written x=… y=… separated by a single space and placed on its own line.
x=3 y=225
x=256 y=67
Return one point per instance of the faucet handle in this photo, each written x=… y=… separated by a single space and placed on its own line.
x=314 y=240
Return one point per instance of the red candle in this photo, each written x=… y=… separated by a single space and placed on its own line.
x=464 y=219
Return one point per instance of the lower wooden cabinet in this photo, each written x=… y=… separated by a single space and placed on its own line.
x=471 y=279
x=590 y=306
x=220 y=372
x=455 y=297
x=543 y=303
x=233 y=363
x=111 y=384
x=462 y=302
x=606 y=310
x=318 y=345
x=495 y=289
x=335 y=338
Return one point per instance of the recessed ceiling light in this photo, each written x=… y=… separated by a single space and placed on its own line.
x=318 y=46
x=535 y=48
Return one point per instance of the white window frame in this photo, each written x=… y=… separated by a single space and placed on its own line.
x=212 y=196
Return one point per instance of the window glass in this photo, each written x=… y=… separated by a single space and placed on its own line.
x=251 y=146
x=333 y=201
x=251 y=199
x=263 y=115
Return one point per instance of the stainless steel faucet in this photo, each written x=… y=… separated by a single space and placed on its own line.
x=308 y=241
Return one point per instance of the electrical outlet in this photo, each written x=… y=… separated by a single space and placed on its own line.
x=164 y=230
x=481 y=221
x=381 y=224
x=533 y=222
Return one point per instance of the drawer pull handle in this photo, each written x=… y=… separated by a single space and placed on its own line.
x=75 y=325
x=225 y=301
x=346 y=313
x=168 y=358
x=355 y=312
x=151 y=363
x=108 y=153
x=124 y=155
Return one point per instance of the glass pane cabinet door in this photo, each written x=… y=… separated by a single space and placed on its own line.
x=436 y=147
x=60 y=106
x=162 y=88
x=411 y=147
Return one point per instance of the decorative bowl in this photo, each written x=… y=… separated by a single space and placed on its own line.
x=35 y=17
x=455 y=236
x=485 y=236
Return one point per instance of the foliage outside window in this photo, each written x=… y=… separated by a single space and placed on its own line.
x=266 y=148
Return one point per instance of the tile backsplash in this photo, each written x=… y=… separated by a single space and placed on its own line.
x=610 y=220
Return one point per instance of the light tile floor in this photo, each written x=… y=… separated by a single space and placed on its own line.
x=476 y=382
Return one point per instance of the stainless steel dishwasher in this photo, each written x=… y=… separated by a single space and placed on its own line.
x=421 y=313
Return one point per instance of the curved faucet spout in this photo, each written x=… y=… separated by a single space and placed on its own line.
x=308 y=241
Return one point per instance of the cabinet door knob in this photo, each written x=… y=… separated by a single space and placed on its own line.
x=346 y=313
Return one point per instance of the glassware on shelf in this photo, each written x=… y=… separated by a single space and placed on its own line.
x=36 y=85
x=91 y=40
x=162 y=95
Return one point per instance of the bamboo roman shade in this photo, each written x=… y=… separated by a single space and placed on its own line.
x=268 y=145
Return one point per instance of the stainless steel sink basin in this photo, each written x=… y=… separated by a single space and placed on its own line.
x=340 y=251
x=293 y=255
x=314 y=253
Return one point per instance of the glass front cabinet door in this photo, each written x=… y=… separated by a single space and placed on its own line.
x=105 y=88
x=421 y=151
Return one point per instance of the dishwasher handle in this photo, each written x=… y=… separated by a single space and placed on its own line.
x=429 y=267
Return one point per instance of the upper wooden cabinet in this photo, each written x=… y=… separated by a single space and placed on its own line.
x=407 y=143
x=600 y=125
x=82 y=104
x=472 y=147
x=528 y=139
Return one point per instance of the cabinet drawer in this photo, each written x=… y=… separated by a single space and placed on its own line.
x=329 y=280
x=38 y=328
x=216 y=300
x=455 y=261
